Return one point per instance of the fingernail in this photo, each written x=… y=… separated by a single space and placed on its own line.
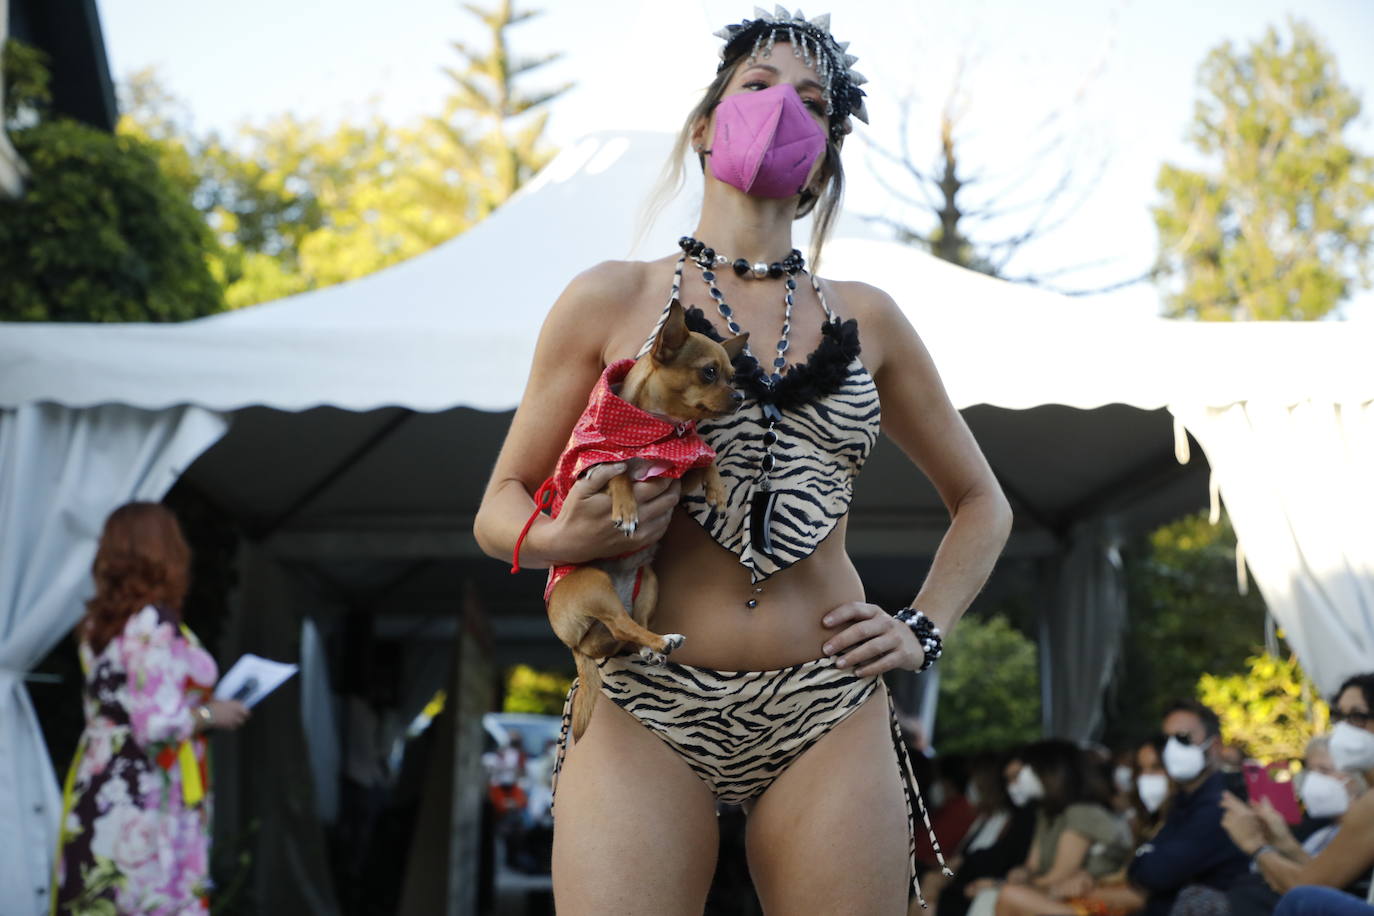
x=840 y=663
x=828 y=649
x=825 y=620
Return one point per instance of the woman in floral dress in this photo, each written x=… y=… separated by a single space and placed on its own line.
x=136 y=812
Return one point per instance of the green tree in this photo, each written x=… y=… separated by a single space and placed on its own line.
x=491 y=131
x=1271 y=709
x=989 y=688
x=297 y=205
x=1187 y=619
x=1280 y=225
x=27 y=83
x=531 y=690
x=100 y=233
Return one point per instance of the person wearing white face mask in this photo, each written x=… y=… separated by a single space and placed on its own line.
x=1152 y=788
x=995 y=844
x=1106 y=894
x=1326 y=794
x=1346 y=860
x=1076 y=833
x=1190 y=850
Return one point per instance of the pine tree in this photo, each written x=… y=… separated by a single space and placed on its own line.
x=492 y=131
x=1280 y=225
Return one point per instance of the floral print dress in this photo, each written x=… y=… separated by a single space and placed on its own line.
x=135 y=825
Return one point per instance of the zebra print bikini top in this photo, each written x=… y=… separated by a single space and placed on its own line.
x=823 y=417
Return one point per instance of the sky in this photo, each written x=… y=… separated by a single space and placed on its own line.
x=1114 y=79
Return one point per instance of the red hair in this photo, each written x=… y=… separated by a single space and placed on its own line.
x=142 y=559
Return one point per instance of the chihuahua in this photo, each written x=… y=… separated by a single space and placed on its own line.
x=599 y=607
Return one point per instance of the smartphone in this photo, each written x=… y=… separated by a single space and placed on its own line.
x=1275 y=784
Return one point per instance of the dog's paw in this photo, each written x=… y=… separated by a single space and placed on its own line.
x=652 y=657
x=673 y=641
x=626 y=526
x=715 y=495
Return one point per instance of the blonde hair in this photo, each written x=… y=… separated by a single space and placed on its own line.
x=673 y=177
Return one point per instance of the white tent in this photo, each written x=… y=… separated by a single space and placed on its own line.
x=361 y=421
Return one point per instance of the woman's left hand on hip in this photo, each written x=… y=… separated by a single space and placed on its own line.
x=869 y=640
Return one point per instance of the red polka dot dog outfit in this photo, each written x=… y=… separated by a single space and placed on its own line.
x=612 y=429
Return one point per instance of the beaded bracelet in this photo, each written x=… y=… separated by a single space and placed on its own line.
x=927 y=634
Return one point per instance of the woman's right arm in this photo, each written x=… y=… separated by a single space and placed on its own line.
x=568 y=360
x=1349 y=855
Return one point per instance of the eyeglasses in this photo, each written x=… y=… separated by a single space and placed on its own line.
x=1185 y=739
x=1357 y=719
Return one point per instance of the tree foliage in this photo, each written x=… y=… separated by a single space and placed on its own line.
x=27 y=82
x=1187 y=619
x=1280 y=224
x=506 y=147
x=100 y=233
x=1271 y=709
x=298 y=205
x=531 y=690
x=989 y=688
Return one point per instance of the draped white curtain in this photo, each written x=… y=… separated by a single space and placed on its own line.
x=1080 y=635
x=61 y=472
x=1298 y=483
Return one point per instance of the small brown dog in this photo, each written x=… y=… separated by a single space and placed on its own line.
x=599 y=607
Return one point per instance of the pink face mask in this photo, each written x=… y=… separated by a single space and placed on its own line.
x=765 y=142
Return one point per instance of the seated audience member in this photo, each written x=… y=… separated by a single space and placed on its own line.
x=1123 y=782
x=1075 y=831
x=951 y=813
x=1190 y=848
x=1326 y=794
x=1346 y=859
x=1108 y=894
x=996 y=841
x=1150 y=789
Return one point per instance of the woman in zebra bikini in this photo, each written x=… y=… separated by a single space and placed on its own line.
x=775 y=701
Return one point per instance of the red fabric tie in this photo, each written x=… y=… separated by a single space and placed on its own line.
x=543 y=498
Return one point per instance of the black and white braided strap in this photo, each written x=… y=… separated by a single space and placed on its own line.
x=927 y=634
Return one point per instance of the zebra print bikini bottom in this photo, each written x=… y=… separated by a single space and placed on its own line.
x=739 y=730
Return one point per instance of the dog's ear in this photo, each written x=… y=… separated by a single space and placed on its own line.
x=735 y=345
x=672 y=335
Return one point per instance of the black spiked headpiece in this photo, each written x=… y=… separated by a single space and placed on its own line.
x=812 y=42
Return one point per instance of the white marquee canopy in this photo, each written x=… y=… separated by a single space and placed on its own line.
x=352 y=412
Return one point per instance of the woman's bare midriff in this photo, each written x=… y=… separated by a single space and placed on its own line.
x=703 y=589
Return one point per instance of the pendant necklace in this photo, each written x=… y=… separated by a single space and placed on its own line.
x=764 y=499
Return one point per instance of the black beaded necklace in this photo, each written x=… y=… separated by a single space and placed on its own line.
x=822 y=373
x=707 y=258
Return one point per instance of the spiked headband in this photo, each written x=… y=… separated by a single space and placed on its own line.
x=811 y=42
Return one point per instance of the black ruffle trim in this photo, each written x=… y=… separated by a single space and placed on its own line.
x=823 y=373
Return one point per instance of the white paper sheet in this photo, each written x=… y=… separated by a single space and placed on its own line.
x=251 y=678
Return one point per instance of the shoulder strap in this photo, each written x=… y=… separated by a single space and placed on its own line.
x=816 y=285
x=663 y=316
